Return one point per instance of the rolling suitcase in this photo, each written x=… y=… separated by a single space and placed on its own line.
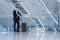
x=24 y=27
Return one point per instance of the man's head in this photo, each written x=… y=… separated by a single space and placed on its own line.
x=16 y=7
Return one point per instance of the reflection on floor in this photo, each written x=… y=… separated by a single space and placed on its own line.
x=29 y=36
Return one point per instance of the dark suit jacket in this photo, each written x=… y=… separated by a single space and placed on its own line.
x=15 y=16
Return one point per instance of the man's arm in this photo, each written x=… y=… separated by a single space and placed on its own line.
x=19 y=13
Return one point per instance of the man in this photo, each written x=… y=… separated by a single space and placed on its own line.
x=16 y=19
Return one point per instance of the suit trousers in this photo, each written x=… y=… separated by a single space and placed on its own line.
x=16 y=23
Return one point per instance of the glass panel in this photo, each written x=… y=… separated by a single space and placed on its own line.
x=48 y=22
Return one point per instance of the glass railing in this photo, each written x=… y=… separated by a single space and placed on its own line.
x=6 y=24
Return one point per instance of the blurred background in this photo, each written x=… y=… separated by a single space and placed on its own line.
x=39 y=15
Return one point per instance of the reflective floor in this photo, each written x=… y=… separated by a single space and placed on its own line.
x=29 y=36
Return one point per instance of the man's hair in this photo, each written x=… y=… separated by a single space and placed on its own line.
x=16 y=7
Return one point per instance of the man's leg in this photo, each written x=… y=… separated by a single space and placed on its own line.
x=14 y=25
x=18 y=26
